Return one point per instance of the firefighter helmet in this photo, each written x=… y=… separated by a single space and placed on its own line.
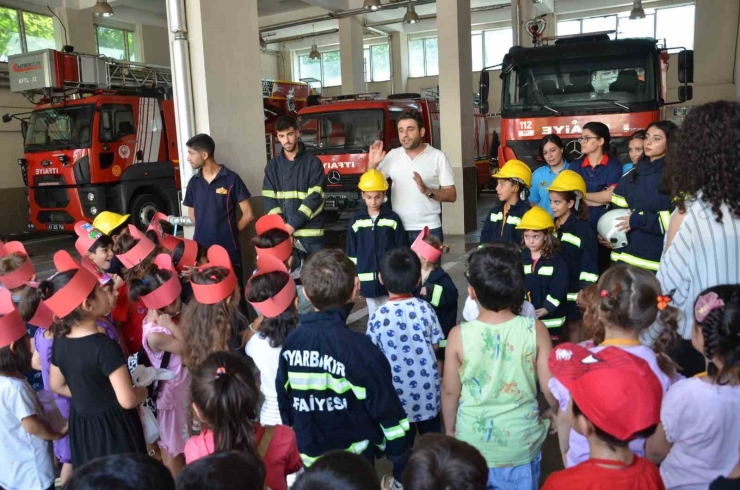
x=516 y=170
x=607 y=228
x=536 y=219
x=373 y=181
x=108 y=221
x=569 y=181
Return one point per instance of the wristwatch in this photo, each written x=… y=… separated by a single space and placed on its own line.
x=430 y=195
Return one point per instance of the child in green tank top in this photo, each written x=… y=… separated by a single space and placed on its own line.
x=492 y=365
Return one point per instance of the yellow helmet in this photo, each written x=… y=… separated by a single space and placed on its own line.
x=373 y=181
x=516 y=169
x=569 y=181
x=108 y=221
x=536 y=219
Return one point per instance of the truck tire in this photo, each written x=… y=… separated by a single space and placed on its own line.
x=143 y=207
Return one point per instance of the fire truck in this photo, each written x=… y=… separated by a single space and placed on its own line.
x=340 y=130
x=556 y=89
x=102 y=136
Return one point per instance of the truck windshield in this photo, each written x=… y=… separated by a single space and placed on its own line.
x=346 y=131
x=60 y=128
x=581 y=86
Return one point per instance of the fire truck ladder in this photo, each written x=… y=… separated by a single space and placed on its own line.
x=100 y=72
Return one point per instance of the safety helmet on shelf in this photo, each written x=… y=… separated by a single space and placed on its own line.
x=373 y=181
x=536 y=219
x=516 y=170
x=108 y=221
x=569 y=181
x=607 y=227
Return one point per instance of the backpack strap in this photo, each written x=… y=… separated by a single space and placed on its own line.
x=165 y=362
x=265 y=441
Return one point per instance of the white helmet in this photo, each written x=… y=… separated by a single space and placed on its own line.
x=607 y=227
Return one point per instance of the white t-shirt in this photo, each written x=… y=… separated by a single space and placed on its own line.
x=25 y=460
x=267 y=359
x=414 y=208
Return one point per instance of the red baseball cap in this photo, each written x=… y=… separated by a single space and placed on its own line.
x=614 y=389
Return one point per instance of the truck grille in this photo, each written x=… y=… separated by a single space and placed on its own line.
x=347 y=182
x=49 y=192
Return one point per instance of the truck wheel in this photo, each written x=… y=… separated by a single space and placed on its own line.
x=143 y=207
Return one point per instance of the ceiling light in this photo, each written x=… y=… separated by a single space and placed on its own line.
x=102 y=9
x=371 y=5
x=411 y=16
x=314 y=54
x=637 y=11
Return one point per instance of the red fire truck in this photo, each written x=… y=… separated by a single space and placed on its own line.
x=556 y=89
x=340 y=130
x=102 y=136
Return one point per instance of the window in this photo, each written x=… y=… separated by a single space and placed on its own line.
x=497 y=44
x=423 y=57
x=377 y=63
x=117 y=121
x=21 y=32
x=488 y=48
x=341 y=131
x=327 y=69
x=62 y=128
x=115 y=43
x=673 y=26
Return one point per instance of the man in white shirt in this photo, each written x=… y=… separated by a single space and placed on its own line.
x=421 y=174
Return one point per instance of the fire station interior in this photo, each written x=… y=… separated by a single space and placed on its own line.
x=237 y=52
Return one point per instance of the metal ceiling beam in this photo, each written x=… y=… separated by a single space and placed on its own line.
x=473 y=10
x=302 y=36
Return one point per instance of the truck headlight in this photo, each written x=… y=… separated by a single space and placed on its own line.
x=94 y=210
x=90 y=196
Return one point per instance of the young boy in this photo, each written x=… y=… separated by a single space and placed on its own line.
x=370 y=234
x=514 y=181
x=114 y=225
x=334 y=385
x=407 y=332
x=95 y=248
x=615 y=397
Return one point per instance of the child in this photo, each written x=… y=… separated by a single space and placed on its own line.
x=25 y=460
x=545 y=269
x=164 y=342
x=114 y=225
x=212 y=321
x=334 y=386
x=514 y=181
x=489 y=389
x=89 y=367
x=628 y=300
x=577 y=240
x=636 y=145
x=698 y=436
x=224 y=470
x=226 y=401
x=122 y=472
x=407 y=332
x=436 y=285
x=370 y=234
x=339 y=469
x=272 y=292
x=95 y=248
x=615 y=399
x=442 y=462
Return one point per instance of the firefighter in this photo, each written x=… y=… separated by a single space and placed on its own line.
x=577 y=240
x=639 y=191
x=545 y=269
x=371 y=233
x=514 y=181
x=294 y=188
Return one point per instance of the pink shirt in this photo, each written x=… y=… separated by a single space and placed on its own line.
x=174 y=393
x=701 y=421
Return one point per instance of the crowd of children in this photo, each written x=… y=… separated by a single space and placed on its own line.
x=141 y=346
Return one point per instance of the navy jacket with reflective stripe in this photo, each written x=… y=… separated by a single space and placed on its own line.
x=547 y=284
x=442 y=294
x=368 y=242
x=494 y=228
x=335 y=389
x=579 y=248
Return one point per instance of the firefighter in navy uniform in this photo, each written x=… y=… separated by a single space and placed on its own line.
x=514 y=181
x=293 y=187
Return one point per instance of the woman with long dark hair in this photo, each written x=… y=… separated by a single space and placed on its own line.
x=552 y=152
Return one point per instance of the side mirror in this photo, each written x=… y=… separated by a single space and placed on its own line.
x=24 y=129
x=483 y=84
x=685 y=93
x=686 y=66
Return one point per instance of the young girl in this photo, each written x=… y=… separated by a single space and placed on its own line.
x=226 y=400
x=514 y=181
x=164 y=342
x=698 y=437
x=272 y=292
x=625 y=301
x=489 y=389
x=577 y=240
x=25 y=460
x=545 y=269
x=436 y=286
x=89 y=367
x=636 y=145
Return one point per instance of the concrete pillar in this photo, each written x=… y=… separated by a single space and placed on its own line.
x=227 y=90
x=351 y=52
x=400 y=60
x=456 y=111
x=80 y=29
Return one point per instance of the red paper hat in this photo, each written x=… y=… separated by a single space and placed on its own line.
x=22 y=274
x=421 y=247
x=156 y=226
x=102 y=276
x=209 y=294
x=43 y=318
x=167 y=293
x=64 y=301
x=12 y=327
x=268 y=222
x=189 y=253
x=87 y=234
x=274 y=306
x=139 y=252
x=170 y=242
x=614 y=389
